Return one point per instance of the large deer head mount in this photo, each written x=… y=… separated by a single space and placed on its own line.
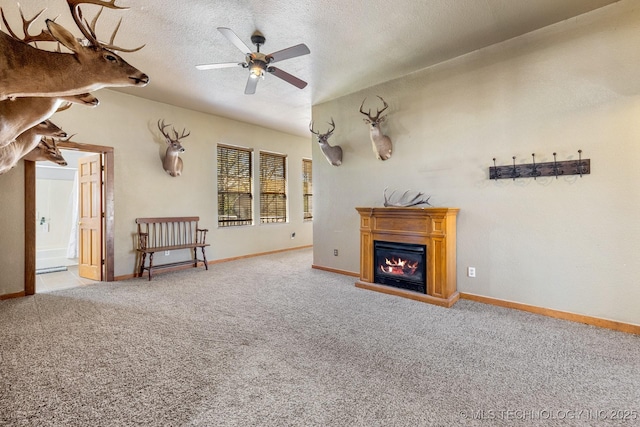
x=381 y=143
x=29 y=71
x=21 y=114
x=172 y=163
x=332 y=154
x=47 y=150
x=26 y=142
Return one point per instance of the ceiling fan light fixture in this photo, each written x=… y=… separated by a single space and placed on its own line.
x=258 y=63
x=256 y=71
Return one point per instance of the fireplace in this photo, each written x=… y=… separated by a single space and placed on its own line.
x=420 y=247
x=400 y=265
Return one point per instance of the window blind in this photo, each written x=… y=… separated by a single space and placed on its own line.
x=273 y=188
x=235 y=198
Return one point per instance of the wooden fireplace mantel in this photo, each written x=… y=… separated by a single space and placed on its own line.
x=433 y=227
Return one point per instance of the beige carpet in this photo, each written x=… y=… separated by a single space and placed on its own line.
x=268 y=341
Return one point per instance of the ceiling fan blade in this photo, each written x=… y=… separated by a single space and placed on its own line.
x=219 y=65
x=250 y=89
x=290 y=52
x=300 y=84
x=233 y=38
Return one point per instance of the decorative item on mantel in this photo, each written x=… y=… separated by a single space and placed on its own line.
x=534 y=170
x=408 y=198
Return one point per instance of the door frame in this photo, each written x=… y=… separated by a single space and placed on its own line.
x=30 y=213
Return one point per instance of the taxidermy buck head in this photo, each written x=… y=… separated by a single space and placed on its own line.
x=19 y=115
x=29 y=71
x=172 y=163
x=332 y=154
x=381 y=143
x=24 y=144
x=47 y=150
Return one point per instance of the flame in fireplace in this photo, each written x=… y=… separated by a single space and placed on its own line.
x=399 y=266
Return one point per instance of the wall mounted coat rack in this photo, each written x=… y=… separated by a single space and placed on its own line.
x=534 y=170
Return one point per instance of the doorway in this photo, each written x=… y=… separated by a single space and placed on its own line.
x=104 y=261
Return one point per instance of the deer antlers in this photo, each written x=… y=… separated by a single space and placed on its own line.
x=89 y=29
x=323 y=136
x=44 y=36
x=408 y=198
x=377 y=118
x=176 y=137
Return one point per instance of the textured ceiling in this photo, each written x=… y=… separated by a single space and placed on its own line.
x=354 y=45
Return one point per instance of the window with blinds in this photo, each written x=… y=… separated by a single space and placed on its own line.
x=273 y=188
x=307 y=189
x=235 y=198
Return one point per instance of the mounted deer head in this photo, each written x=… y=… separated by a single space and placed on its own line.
x=381 y=143
x=28 y=71
x=47 y=150
x=172 y=163
x=25 y=143
x=332 y=154
x=23 y=113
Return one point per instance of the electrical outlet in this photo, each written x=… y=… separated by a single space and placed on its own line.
x=166 y=253
x=335 y=252
x=471 y=271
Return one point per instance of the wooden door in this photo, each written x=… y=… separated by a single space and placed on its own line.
x=90 y=217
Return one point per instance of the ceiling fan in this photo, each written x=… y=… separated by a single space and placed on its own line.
x=258 y=63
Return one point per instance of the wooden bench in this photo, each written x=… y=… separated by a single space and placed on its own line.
x=170 y=234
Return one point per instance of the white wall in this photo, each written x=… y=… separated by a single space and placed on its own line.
x=54 y=204
x=12 y=231
x=569 y=244
x=143 y=189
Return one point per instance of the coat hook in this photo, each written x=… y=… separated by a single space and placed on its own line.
x=534 y=170
x=580 y=162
